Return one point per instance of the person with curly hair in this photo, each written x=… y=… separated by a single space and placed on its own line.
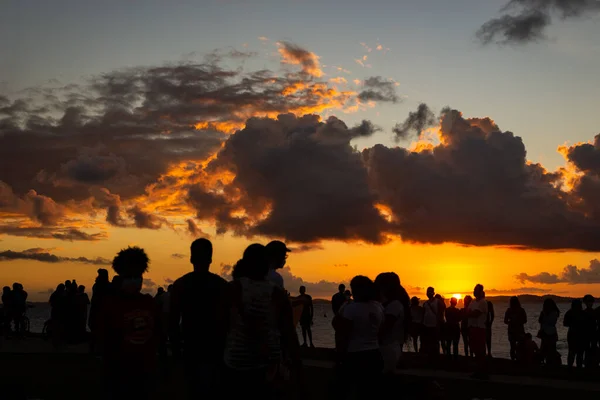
x=129 y=329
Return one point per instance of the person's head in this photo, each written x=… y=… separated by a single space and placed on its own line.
x=342 y=288
x=348 y=295
x=588 y=300
x=388 y=286
x=6 y=289
x=169 y=288
x=467 y=300
x=550 y=306
x=81 y=289
x=514 y=302
x=414 y=301
x=453 y=302
x=576 y=305
x=60 y=288
x=201 y=252
x=254 y=263
x=363 y=289
x=131 y=264
x=102 y=276
x=430 y=293
x=160 y=291
x=15 y=286
x=478 y=292
x=277 y=253
x=302 y=289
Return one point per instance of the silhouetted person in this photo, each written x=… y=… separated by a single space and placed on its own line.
x=159 y=292
x=359 y=323
x=452 y=331
x=129 y=329
x=338 y=299
x=100 y=290
x=82 y=302
x=18 y=307
x=547 y=333
x=416 y=322
x=6 y=310
x=261 y=340
x=430 y=339
x=277 y=253
x=516 y=318
x=464 y=325
x=477 y=314
x=58 y=315
x=590 y=327
x=396 y=303
x=197 y=300
x=489 y=320
x=574 y=320
x=528 y=353
x=306 y=318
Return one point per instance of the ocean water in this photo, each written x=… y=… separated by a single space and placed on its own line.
x=323 y=332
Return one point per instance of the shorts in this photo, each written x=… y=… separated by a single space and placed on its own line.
x=477 y=340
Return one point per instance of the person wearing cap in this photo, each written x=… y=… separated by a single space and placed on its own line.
x=277 y=256
x=129 y=328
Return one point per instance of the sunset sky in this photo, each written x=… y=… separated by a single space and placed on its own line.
x=452 y=142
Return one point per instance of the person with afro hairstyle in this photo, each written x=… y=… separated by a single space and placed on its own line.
x=129 y=329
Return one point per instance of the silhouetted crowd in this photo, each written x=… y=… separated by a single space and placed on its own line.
x=14 y=306
x=69 y=314
x=244 y=331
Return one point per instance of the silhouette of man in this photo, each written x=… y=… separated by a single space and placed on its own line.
x=430 y=339
x=489 y=320
x=197 y=300
x=338 y=299
x=128 y=326
x=277 y=253
x=477 y=314
x=306 y=318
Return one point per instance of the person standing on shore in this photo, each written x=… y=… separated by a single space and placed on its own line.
x=196 y=300
x=548 y=333
x=489 y=320
x=338 y=299
x=464 y=325
x=100 y=290
x=452 y=332
x=477 y=314
x=576 y=334
x=516 y=318
x=416 y=322
x=306 y=318
x=430 y=339
x=129 y=330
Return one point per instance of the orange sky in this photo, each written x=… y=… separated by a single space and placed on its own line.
x=449 y=268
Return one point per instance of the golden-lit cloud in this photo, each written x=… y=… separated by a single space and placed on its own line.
x=293 y=54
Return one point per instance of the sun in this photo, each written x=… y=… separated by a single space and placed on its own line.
x=457 y=296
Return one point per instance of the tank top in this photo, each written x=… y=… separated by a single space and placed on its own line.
x=253 y=340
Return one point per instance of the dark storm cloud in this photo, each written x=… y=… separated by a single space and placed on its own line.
x=119 y=133
x=147 y=220
x=43 y=256
x=297 y=178
x=302 y=248
x=526 y=21
x=477 y=188
x=570 y=274
x=377 y=88
x=416 y=122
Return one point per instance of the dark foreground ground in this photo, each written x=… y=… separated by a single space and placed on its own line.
x=76 y=375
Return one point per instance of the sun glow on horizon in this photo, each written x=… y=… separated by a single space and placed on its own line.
x=457 y=296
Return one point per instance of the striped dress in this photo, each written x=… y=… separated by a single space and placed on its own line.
x=253 y=340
